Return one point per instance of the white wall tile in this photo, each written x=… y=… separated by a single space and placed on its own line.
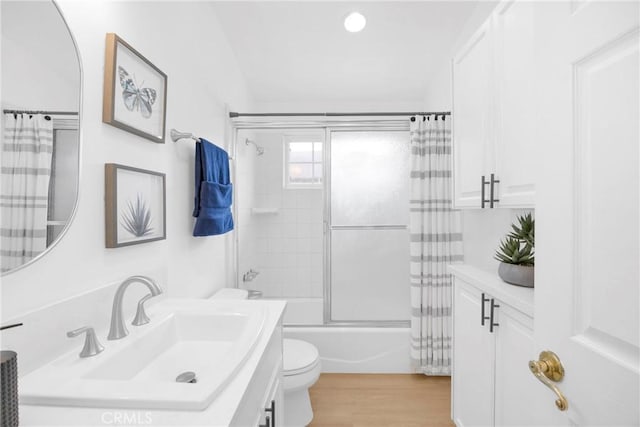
x=304 y=260
x=289 y=200
x=316 y=246
x=290 y=260
x=289 y=244
x=304 y=230
x=304 y=245
x=289 y=215
x=290 y=230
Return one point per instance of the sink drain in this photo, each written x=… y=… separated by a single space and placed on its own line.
x=187 y=377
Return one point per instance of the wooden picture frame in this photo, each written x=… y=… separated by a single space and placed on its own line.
x=135 y=91
x=135 y=206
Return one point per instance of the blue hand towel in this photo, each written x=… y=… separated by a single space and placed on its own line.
x=213 y=191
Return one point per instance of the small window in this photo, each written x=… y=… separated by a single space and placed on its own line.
x=303 y=163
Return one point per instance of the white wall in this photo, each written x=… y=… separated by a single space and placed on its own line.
x=312 y=106
x=185 y=41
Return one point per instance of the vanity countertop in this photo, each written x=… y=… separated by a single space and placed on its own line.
x=518 y=297
x=220 y=413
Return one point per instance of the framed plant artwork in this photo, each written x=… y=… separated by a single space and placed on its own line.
x=135 y=206
x=135 y=91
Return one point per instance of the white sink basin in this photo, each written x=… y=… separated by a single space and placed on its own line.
x=211 y=338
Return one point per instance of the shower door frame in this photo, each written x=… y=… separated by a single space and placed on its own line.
x=328 y=125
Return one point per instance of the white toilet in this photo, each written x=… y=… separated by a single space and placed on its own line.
x=301 y=369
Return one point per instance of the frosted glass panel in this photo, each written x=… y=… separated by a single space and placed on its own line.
x=301 y=156
x=301 y=172
x=369 y=275
x=369 y=178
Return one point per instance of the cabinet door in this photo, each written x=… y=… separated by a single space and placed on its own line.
x=275 y=402
x=473 y=360
x=515 y=124
x=519 y=399
x=272 y=410
x=472 y=154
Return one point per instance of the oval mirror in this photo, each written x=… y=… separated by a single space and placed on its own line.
x=40 y=153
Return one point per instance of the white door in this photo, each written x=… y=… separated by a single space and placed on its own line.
x=587 y=279
x=473 y=153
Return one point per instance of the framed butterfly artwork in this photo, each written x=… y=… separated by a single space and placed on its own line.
x=135 y=91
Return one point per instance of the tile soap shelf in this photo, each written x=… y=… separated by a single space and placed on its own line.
x=264 y=211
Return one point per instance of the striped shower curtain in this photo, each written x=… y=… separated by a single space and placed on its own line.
x=27 y=149
x=435 y=242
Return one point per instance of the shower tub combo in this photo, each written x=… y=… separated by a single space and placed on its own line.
x=322 y=212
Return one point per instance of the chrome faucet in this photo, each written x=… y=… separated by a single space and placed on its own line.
x=118 y=330
x=250 y=275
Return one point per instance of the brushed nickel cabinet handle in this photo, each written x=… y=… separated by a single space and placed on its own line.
x=492 y=198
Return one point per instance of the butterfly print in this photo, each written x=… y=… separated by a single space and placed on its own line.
x=136 y=99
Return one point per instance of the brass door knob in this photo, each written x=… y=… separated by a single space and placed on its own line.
x=548 y=369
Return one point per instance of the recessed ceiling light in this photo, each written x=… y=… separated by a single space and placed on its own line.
x=354 y=22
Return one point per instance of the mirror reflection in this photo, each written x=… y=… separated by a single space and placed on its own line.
x=40 y=137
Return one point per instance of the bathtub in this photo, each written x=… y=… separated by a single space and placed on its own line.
x=348 y=349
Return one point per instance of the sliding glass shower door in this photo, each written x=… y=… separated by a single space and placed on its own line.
x=367 y=257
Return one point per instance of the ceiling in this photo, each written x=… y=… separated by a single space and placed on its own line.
x=298 y=51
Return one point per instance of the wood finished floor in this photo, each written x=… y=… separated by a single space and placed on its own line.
x=373 y=400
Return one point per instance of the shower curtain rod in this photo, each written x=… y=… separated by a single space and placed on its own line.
x=234 y=114
x=52 y=113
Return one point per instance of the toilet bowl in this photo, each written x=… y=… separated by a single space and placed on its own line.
x=301 y=369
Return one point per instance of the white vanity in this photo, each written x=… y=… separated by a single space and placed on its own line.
x=233 y=347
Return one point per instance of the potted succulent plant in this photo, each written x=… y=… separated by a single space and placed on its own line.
x=517 y=253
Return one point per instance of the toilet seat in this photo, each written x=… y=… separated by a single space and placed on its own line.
x=299 y=357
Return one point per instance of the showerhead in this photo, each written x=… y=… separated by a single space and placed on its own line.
x=259 y=150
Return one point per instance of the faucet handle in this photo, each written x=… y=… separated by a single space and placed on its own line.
x=91 y=344
x=141 y=316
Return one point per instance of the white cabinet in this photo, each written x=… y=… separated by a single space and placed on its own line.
x=273 y=406
x=472 y=151
x=473 y=356
x=494 y=110
x=264 y=397
x=515 y=125
x=520 y=400
x=492 y=345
